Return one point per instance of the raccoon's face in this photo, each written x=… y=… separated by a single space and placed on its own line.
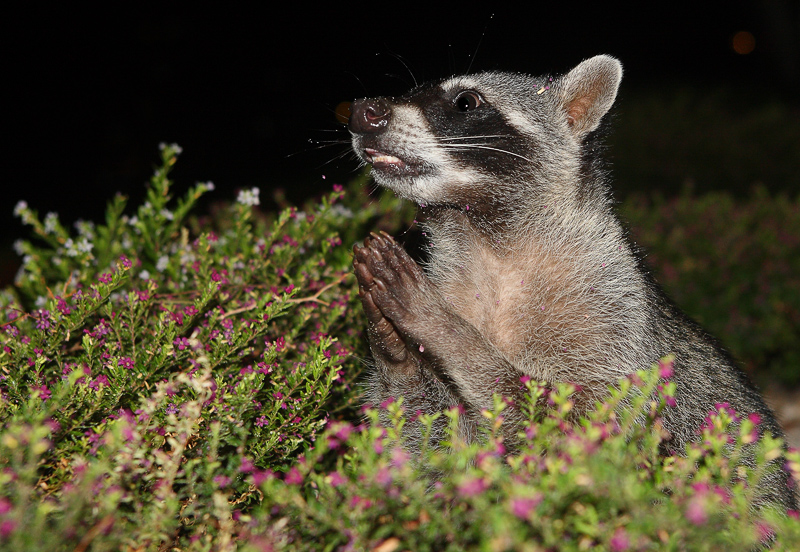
x=490 y=139
x=444 y=142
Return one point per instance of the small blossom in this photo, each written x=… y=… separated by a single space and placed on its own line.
x=620 y=541
x=665 y=369
x=259 y=476
x=20 y=208
x=471 y=486
x=162 y=263
x=43 y=320
x=181 y=343
x=50 y=222
x=7 y=526
x=335 y=479
x=522 y=507
x=175 y=149
x=696 y=510
x=293 y=477
x=247 y=465
x=125 y=362
x=222 y=480
x=44 y=392
x=249 y=197
x=126 y=263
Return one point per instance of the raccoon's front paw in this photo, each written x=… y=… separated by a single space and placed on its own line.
x=391 y=279
x=384 y=340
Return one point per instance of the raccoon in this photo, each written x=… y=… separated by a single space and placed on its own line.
x=529 y=272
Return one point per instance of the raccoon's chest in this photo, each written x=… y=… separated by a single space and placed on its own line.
x=521 y=301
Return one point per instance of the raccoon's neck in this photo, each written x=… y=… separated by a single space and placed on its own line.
x=562 y=218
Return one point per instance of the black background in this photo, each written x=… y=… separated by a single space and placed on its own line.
x=248 y=92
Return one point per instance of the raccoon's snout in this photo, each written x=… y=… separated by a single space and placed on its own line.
x=369 y=116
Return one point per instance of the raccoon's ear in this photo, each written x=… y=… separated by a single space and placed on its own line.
x=587 y=92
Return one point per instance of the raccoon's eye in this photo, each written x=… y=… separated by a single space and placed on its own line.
x=467 y=101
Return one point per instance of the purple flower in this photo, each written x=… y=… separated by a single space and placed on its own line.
x=696 y=510
x=293 y=477
x=522 y=507
x=125 y=362
x=261 y=421
x=62 y=306
x=105 y=278
x=222 y=480
x=7 y=527
x=666 y=369
x=471 y=486
x=181 y=342
x=44 y=392
x=383 y=477
x=102 y=379
x=43 y=320
x=247 y=465
x=126 y=263
x=399 y=457
x=335 y=479
x=620 y=541
x=259 y=476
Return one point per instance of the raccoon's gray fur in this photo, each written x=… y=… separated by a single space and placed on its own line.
x=529 y=271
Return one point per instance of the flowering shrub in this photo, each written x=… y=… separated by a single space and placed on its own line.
x=594 y=484
x=734 y=265
x=152 y=366
x=169 y=382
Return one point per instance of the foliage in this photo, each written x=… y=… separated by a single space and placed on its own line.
x=732 y=265
x=174 y=382
x=597 y=483
x=162 y=366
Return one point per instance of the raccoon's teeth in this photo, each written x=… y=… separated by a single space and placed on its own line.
x=380 y=158
x=390 y=159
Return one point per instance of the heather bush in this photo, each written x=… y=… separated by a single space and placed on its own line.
x=173 y=381
x=734 y=265
x=152 y=366
x=594 y=484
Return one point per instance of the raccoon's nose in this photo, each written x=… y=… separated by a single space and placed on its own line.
x=369 y=116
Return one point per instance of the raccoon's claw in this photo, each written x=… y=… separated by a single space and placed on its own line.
x=384 y=339
x=393 y=280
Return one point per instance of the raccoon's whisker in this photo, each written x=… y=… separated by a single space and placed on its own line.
x=326 y=144
x=476 y=137
x=476 y=146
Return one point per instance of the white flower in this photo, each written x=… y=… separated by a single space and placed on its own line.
x=162 y=263
x=209 y=185
x=167 y=214
x=85 y=228
x=174 y=147
x=144 y=275
x=19 y=247
x=341 y=210
x=85 y=246
x=20 y=208
x=50 y=222
x=249 y=197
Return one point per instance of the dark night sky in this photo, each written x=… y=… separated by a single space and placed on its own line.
x=243 y=90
